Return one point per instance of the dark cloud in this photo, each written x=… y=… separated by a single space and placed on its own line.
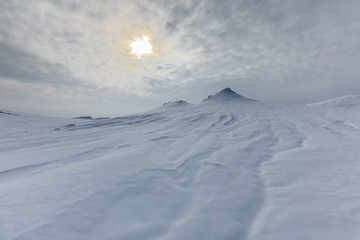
x=22 y=66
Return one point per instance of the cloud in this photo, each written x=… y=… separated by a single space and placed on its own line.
x=22 y=66
x=279 y=44
x=286 y=50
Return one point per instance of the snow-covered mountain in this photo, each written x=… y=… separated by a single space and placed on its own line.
x=227 y=168
x=226 y=95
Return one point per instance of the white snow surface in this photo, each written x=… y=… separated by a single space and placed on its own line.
x=229 y=168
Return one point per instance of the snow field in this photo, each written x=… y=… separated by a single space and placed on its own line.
x=228 y=168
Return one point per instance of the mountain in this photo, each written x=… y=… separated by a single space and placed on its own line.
x=224 y=169
x=176 y=103
x=226 y=95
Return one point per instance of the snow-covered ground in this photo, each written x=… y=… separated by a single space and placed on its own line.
x=227 y=168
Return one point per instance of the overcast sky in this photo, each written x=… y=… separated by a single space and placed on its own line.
x=72 y=57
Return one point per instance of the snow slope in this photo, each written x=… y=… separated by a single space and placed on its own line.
x=228 y=168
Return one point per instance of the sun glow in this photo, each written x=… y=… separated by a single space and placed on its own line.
x=141 y=47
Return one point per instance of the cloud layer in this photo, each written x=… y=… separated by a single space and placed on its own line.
x=279 y=50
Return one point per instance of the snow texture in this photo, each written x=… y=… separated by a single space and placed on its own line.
x=228 y=168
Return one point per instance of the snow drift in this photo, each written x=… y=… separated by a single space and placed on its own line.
x=228 y=168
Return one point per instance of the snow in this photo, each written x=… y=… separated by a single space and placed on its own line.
x=345 y=101
x=222 y=169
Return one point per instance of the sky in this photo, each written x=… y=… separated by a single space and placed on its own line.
x=73 y=57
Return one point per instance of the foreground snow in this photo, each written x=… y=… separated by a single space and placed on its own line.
x=227 y=168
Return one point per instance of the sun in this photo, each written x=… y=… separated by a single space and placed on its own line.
x=141 y=47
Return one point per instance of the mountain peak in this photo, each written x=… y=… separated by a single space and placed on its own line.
x=176 y=103
x=227 y=90
x=226 y=94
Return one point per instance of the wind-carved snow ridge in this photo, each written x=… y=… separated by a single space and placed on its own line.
x=289 y=138
x=224 y=170
x=345 y=101
x=338 y=110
